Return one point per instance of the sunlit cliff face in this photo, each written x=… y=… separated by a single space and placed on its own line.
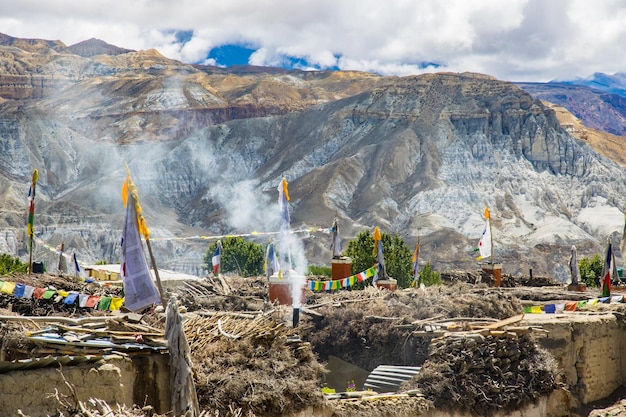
x=206 y=147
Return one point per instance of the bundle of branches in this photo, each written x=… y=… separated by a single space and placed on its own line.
x=225 y=293
x=360 y=334
x=252 y=362
x=366 y=328
x=482 y=375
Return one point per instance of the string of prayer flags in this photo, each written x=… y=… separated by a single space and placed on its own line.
x=338 y=284
x=572 y=305
x=19 y=290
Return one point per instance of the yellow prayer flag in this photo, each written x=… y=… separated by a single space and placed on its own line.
x=377 y=237
x=486 y=213
x=129 y=188
x=416 y=253
x=285 y=190
x=125 y=190
x=116 y=303
x=8 y=287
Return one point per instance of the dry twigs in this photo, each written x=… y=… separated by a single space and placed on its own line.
x=481 y=375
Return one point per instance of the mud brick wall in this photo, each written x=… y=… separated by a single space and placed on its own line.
x=118 y=380
x=588 y=348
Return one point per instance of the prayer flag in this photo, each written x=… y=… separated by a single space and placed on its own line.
x=284 y=245
x=31 y=203
x=216 y=259
x=271 y=261
x=606 y=271
x=380 y=256
x=335 y=243
x=29 y=290
x=283 y=198
x=76 y=266
x=104 y=303
x=484 y=244
x=92 y=301
x=8 y=287
x=573 y=266
x=19 y=290
x=70 y=299
x=82 y=300
x=116 y=303
x=48 y=294
x=139 y=289
x=416 y=268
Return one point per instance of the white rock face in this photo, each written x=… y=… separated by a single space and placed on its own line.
x=415 y=156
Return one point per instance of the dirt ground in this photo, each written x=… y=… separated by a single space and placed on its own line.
x=250 y=360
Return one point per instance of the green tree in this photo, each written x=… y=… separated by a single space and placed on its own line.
x=238 y=255
x=9 y=264
x=398 y=256
x=429 y=277
x=320 y=270
x=590 y=270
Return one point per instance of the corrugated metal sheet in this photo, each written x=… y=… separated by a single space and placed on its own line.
x=388 y=378
x=47 y=362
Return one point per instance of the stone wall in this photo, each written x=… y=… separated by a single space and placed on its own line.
x=118 y=380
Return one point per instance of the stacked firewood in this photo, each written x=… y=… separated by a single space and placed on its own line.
x=485 y=372
x=253 y=361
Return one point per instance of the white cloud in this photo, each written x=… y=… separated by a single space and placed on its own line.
x=513 y=40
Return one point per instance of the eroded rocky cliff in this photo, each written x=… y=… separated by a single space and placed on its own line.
x=417 y=156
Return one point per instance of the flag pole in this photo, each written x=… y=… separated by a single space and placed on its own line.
x=156 y=272
x=493 y=261
x=31 y=219
x=154 y=267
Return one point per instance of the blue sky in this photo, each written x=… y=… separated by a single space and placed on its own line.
x=516 y=40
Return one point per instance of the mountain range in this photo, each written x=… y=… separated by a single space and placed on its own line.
x=418 y=156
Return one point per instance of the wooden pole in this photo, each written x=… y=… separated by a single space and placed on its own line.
x=31 y=218
x=156 y=272
x=493 y=261
x=30 y=256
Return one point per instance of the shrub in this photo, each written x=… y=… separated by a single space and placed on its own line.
x=590 y=270
x=320 y=270
x=9 y=264
x=238 y=255
x=398 y=256
x=428 y=277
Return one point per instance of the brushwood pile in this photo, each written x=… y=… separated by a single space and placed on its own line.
x=249 y=359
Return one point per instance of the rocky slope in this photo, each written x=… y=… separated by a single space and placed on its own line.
x=598 y=109
x=417 y=156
